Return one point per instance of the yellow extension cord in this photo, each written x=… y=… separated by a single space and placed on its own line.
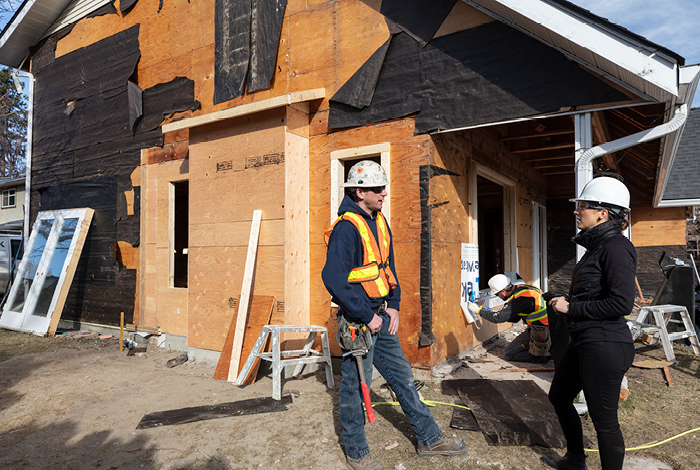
x=648 y=446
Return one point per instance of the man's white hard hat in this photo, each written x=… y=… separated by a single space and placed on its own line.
x=606 y=191
x=498 y=282
x=366 y=174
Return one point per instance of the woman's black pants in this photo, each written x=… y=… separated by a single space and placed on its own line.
x=596 y=368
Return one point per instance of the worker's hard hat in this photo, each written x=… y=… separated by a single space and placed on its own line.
x=498 y=282
x=366 y=174
x=606 y=192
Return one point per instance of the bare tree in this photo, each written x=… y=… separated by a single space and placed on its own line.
x=13 y=126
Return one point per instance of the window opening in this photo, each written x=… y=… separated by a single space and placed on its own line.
x=343 y=160
x=180 y=233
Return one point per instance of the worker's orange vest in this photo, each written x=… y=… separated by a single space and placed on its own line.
x=540 y=312
x=375 y=275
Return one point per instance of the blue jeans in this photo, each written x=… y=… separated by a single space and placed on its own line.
x=388 y=358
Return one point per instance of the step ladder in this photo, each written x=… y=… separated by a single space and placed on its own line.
x=661 y=315
x=305 y=355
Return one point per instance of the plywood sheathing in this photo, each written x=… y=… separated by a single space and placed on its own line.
x=408 y=153
x=321 y=45
x=160 y=303
x=655 y=227
x=236 y=166
x=450 y=227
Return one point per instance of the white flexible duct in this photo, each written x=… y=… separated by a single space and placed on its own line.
x=584 y=165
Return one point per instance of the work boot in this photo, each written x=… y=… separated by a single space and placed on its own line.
x=364 y=463
x=443 y=446
x=568 y=462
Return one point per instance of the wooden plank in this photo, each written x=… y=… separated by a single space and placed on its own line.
x=245 y=109
x=667 y=375
x=296 y=232
x=261 y=308
x=143 y=329
x=245 y=296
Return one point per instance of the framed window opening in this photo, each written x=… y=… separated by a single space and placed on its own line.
x=43 y=278
x=494 y=225
x=539 y=246
x=9 y=198
x=179 y=232
x=342 y=160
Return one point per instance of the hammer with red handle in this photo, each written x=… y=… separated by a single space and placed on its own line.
x=358 y=353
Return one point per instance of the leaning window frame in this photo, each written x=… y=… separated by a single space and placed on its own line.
x=24 y=320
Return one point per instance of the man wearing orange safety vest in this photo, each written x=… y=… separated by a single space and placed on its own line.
x=361 y=277
x=525 y=303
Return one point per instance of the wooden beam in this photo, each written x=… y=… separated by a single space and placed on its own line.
x=541 y=159
x=601 y=134
x=257 y=106
x=539 y=134
x=544 y=149
x=245 y=296
x=560 y=165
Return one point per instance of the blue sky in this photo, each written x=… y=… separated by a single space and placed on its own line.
x=674 y=24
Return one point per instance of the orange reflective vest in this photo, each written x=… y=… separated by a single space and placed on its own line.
x=375 y=275
x=540 y=312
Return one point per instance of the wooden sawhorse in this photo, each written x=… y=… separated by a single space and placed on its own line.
x=306 y=355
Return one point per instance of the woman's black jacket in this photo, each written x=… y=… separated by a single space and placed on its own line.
x=602 y=286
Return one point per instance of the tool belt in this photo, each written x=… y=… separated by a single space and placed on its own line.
x=540 y=340
x=381 y=308
x=353 y=336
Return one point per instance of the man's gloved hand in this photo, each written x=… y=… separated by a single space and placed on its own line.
x=473 y=308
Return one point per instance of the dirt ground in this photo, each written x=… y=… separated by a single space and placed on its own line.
x=69 y=403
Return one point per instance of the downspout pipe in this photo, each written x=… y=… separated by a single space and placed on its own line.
x=28 y=155
x=584 y=165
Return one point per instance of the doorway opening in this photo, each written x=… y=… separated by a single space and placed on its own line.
x=491 y=240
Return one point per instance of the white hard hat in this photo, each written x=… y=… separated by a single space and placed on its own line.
x=366 y=174
x=606 y=191
x=498 y=282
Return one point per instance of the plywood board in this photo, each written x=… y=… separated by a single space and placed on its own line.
x=236 y=233
x=312 y=41
x=661 y=226
x=357 y=20
x=462 y=16
x=216 y=275
x=261 y=308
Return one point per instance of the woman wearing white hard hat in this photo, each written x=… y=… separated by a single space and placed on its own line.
x=601 y=349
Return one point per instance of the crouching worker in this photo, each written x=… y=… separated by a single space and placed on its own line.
x=525 y=303
x=360 y=275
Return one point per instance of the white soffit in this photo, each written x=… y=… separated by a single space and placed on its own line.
x=73 y=12
x=36 y=19
x=26 y=27
x=630 y=60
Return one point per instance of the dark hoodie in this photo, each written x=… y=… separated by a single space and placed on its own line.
x=345 y=252
x=602 y=286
